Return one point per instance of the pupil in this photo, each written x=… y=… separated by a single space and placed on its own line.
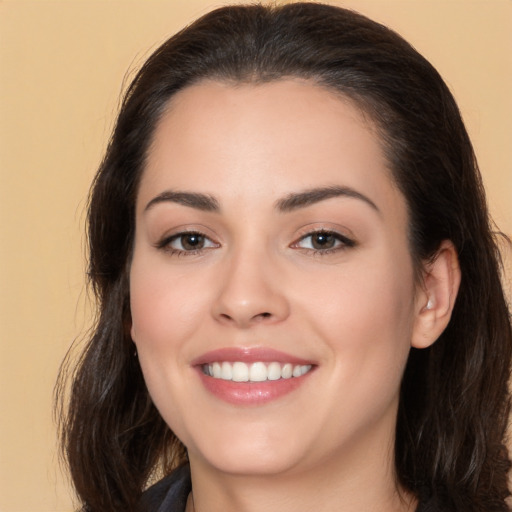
x=192 y=241
x=323 y=241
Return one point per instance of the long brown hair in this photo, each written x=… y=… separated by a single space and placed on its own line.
x=454 y=399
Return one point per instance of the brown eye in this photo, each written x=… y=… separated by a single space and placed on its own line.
x=321 y=241
x=324 y=242
x=191 y=241
x=186 y=242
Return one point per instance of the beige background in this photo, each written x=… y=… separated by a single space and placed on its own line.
x=62 y=69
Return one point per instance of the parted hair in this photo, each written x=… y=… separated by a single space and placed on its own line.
x=454 y=402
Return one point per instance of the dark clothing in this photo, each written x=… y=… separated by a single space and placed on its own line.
x=170 y=494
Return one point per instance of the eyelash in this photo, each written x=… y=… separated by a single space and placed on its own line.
x=165 y=243
x=341 y=243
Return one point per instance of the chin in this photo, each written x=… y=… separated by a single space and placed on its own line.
x=249 y=455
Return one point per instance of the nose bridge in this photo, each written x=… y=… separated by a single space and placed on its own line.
x=251 y=290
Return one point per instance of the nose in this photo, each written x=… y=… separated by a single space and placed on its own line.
x=251 y=292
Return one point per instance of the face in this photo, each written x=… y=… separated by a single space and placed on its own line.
x=272 y=290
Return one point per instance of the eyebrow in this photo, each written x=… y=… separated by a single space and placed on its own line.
x=196 y=200
x=306 y=198
x=289 y=203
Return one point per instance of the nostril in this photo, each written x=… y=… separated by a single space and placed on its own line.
x=264 y=315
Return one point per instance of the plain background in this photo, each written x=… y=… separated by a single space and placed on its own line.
x=63 y=66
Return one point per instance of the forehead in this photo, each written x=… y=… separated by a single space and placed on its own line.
x=269 y=138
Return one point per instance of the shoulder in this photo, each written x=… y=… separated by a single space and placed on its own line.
x=169 y=494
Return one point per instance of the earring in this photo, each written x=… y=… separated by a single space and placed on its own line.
x=430 y=304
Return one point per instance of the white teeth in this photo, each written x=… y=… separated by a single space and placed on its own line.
x=240 y=372
x=258 y=372
x=255 y=372
x=273 y=371
x=227 y=371
x=216 y=370
x=297 y=372
x=287 y=371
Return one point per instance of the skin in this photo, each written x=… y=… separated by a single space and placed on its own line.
x=352 y=310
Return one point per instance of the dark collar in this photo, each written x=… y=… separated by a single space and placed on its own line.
x=169 y=494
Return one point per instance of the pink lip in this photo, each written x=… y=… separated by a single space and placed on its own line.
x=249 y=393
x=248 y=355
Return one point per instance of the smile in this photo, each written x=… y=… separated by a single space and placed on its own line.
x=252 y=376
x=254 y=372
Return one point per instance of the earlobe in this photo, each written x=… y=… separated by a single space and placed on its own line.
x=436 y=296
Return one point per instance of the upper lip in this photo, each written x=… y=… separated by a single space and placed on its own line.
x=248 y=355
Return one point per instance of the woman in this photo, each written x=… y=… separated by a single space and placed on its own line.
x=299 y=290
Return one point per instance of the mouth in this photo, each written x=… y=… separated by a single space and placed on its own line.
x=251 y=376
x=259 y=371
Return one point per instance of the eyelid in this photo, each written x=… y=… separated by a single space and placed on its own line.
x=345 y=241
x=164 y=242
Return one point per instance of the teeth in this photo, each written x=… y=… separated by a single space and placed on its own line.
x=255 y=372
x=240 y=372
x=227 y=371
x=258 y=372
x=287 y=371
x=216 y=370
x=274 y=371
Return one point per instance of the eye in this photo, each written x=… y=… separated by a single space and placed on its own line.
x=188 y=242
x=324 y=241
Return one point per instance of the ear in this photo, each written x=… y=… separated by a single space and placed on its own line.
x=436 y=296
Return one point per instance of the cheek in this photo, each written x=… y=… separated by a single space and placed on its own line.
x=165 y=314
x=366 y=315
x=165 y=306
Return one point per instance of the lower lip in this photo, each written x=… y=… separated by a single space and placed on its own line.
x=251 y=393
